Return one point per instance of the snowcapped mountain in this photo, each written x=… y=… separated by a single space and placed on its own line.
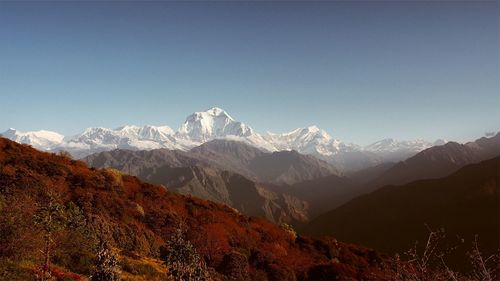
x=397 y=150
x=98 y=139
x=39 y=139
x=104 y=136
x=211 y=124
x=215 y=123
x=392 y=145
x=309 y=140
x=157 y=133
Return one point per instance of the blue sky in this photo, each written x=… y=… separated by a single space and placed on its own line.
x=362 y=71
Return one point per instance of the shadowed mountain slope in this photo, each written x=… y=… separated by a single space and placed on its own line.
x=392 y=218
x=322 y=194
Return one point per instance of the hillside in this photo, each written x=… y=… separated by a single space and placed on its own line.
x=138 y=217
x=392 y=218
x=234 y=190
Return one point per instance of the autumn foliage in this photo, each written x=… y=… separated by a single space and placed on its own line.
x=141 y=218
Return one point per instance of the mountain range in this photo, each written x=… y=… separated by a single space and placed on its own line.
x=215 y=123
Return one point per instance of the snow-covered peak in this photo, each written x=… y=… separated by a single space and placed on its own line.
x=11 y=134
x=99 y=139
x=159 y=133
x=439 y=142
x=40 y=139
x=216 y=111
x=95 y=135
x=99 y=135
x=312 y=129
x=392 y=145
x=308 y=140
x=211 y=124
x=156 y=132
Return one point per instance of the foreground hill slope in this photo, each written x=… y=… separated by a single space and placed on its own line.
x=140 y=217
x=392 y=218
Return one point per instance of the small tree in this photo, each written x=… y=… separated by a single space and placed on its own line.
x=52 y=219
x=106 y=265
x=183 y=263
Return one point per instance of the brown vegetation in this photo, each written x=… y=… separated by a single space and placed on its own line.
x=140 y=218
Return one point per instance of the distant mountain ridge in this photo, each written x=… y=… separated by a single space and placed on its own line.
x=440 y=161
x=283 y=167
x=394 y=150
x=215 y=123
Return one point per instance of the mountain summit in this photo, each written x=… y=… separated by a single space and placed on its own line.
x=309 y=140
x=42 y=139
x=211 y=124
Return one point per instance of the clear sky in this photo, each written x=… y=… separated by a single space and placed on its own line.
x=362 y=71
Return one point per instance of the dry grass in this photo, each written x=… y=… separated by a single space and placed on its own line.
x=137 y=268
x=430 y=263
